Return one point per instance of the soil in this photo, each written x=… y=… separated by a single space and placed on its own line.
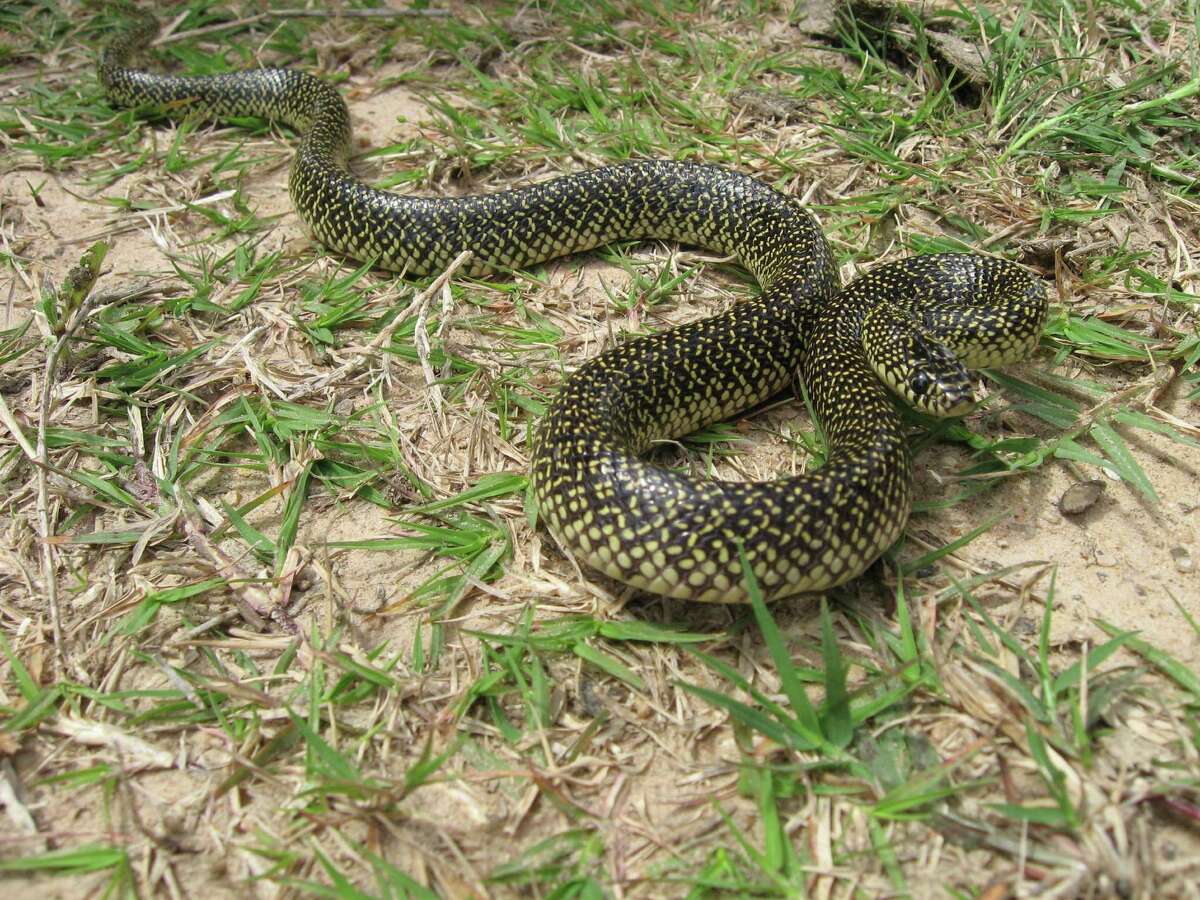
x=652 y=772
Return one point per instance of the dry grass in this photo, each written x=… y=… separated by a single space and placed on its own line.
x=290 y=630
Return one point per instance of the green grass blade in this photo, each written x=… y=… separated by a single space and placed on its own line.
x=1127 y=467
x=836 y=721
x=806 y=723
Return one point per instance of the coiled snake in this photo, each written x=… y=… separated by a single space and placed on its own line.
x=912 y=325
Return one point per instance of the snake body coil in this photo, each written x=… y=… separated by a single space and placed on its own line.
x=913 y=324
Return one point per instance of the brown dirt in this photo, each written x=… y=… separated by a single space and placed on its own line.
x=648 y=777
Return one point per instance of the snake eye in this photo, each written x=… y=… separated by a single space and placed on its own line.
x=920 y=383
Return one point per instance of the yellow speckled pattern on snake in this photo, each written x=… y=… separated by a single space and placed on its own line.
x=912 y=325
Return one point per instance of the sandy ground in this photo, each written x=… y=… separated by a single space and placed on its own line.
x=1124 y=560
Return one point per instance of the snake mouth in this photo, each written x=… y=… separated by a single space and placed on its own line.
x=956 y=400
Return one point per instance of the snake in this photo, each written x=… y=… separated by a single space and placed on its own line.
x=912 y=328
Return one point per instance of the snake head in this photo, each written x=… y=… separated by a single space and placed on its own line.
x=915 y=366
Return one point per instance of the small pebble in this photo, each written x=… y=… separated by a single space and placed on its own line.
x=1183 y=560
x=1081 y=497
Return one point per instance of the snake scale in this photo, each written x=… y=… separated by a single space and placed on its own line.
x=914 y=325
